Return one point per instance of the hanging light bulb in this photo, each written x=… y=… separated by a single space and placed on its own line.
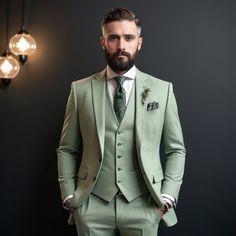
x=22 y=44
x=9 y=67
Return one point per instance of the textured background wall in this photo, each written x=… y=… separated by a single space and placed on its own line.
x=188 y=42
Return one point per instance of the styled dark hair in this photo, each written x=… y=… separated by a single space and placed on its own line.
x=119 y=14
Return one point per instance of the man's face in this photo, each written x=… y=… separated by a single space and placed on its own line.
x=121 y=41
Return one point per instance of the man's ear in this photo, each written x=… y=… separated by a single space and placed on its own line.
x=102 y=42
x=140 y=41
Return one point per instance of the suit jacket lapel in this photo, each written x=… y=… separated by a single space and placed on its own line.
x=98 y=92
x=142 y=83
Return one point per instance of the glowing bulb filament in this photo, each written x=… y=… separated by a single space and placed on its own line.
x=23 y=44
x=6 y=67
x=9 y=67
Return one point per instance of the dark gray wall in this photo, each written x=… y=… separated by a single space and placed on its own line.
x=189 y=42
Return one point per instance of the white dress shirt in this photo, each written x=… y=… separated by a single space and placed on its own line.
x=127 y=85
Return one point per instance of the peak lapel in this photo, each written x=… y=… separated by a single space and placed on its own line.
x=98 y=91
x=142 y=83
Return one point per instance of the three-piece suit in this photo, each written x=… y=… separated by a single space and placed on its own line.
x=104 y=163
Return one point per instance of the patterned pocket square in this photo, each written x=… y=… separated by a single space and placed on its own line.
x=152 y=105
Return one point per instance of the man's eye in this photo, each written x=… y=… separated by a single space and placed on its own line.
x=112 y=38
x=129 y=38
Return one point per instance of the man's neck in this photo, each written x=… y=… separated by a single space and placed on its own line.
x=131 y=73
x=120 y=72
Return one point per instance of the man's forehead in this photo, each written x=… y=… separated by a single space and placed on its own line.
x=120 y=27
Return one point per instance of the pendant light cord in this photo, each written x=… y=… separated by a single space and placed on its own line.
x=7 y=24
x=23 y=15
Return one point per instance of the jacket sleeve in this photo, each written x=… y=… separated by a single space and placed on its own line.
x=69 y=145
x=173 y=147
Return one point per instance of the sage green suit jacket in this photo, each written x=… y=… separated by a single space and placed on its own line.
x=84 y=129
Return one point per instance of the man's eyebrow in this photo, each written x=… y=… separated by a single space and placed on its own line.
x=113 y=35
x=124 y=35
x=130 y=35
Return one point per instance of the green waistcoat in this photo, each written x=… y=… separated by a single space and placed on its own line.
x=120 y=169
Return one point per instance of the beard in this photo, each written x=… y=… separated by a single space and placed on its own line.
x=118 y=64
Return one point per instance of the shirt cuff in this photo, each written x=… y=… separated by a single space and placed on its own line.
x=66 y=200
x=169 y=200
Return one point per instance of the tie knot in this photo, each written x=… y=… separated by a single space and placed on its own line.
x=120 y=80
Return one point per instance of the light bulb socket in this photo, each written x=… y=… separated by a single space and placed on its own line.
x=22 y=30
x=5 y=53
x=23 y=59
x=6 y=82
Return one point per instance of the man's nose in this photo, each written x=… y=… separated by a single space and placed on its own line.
x=121 y=44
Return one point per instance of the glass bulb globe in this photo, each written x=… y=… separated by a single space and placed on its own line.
x=9 y=67
x=22 y=44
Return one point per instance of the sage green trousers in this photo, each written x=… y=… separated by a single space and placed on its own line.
x=96 y=217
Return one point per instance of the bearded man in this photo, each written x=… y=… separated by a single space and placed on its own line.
x=117 y=119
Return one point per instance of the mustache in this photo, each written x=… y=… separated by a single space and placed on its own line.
x=121 y=53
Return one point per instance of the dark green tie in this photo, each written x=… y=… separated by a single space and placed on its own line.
x=120 y=98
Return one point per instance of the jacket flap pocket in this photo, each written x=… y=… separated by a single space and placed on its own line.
x=158 y=176
x=82 y=173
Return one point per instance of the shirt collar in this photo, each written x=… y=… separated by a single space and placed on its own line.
x=131 y=73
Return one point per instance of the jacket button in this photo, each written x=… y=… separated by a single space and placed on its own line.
x=119 y=169
x=119 y=144
x=119 y=156
x=94 y=178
